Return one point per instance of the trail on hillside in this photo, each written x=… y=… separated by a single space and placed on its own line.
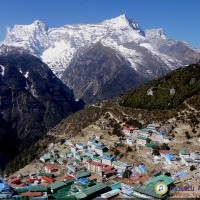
x=190 y=107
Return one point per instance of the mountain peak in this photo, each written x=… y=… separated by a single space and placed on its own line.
x=32 y=37
x=123 y=21
x=39 y=24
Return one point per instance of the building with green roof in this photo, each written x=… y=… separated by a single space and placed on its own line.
x=46 y=174
x=61 y=193
x=96 y=158
x=69 y=181
x=168 y=180
x=142 y=137
x=21 y=189
x=184 y=152
x=83 y=174
x=80 y=195
x=69 y=197
x=56 y=186
x=38 y=188
x=150 y=145
x=116 y=185
x=97 y=190
x=77 y=161
x=185 y=157
x=86 y=158
x=116 y=163
x=148 y=189
x=52 y=160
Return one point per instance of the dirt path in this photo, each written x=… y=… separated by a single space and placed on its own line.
x=191 y=107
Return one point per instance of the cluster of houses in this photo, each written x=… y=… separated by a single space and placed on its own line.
x=89 y=170
x=83 y=186
x=151 y=134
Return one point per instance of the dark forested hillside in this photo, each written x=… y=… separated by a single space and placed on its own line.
x=166 y=92
x=32 y=101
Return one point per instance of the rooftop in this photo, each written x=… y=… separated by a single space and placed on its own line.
x=148 y=187
x=95 y=188
x=168 y=180
x=170 y=157
x=142 y=138
x=38 y=188
x=56 y=185
x=184 y=152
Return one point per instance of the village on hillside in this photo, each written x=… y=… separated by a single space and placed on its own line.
x=132 y=163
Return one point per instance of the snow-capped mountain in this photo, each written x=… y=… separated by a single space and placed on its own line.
x=57 y=46
x=149 y=53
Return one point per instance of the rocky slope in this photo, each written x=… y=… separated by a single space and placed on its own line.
x=32 y=101
x=148 y=53
x=112 y=77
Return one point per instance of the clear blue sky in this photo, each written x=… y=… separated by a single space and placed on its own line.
x=179 y=18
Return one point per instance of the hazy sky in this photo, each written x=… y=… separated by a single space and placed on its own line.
x=179 y=18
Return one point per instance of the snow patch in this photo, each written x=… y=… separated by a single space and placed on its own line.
x=155 y=33
x=2 y=70
x=33 y=92
x=26 y=74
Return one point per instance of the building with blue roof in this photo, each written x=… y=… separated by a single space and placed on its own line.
x=181 y=174
x=169 y=158
x=162 y=132
x=71 y=167
x=141 y=169
x=83 y=181
x=46 y=157
x=160 y=136
x=5 y=188
x=5 y=196
x=130 y=141
x=94 y=145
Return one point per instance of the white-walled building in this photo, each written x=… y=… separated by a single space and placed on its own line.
x=108 y=159
x=195 y=156
x=130 y=141
x=128 y=130
x=141 y=140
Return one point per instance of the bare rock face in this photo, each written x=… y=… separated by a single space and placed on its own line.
x=100 y=73
x=32 y=101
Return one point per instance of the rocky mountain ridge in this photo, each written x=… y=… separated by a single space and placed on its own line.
x=57 y=46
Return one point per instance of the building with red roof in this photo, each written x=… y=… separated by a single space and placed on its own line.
x=50 y=168
x=31 y=194
x=46 y=179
